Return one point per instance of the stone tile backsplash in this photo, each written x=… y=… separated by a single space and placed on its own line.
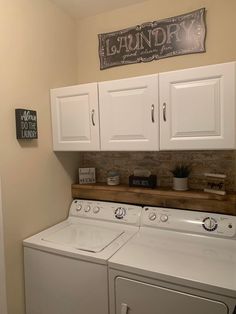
x=160 y=163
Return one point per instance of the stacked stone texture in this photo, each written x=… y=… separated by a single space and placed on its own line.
x=160 y=163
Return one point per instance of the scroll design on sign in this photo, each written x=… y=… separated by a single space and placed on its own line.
x=183 y=34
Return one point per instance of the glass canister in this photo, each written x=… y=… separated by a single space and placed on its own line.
x=113 y=178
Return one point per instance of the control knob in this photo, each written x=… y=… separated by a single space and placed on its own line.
x=120 y=212
x=164 y=218
x=78 y=207
x=87 y=208
x=96 y=210
x=152 y=216
x=209 y=224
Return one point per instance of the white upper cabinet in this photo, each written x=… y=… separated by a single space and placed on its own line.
x=75 y=118
x=129 y=117
x=197 y=108
x=188 y=109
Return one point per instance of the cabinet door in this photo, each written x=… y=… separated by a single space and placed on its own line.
x=129 y=114
x=197 y=108
x=138 y=298
x=75 y=120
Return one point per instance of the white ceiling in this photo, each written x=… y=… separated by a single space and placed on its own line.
x=85 y=8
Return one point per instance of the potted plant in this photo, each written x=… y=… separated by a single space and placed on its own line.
x=180 y=180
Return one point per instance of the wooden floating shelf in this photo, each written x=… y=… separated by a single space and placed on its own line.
x=192 y=199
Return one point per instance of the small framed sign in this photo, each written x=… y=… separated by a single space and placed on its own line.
x=26 y=124
x=87 y=175
x=215 y=183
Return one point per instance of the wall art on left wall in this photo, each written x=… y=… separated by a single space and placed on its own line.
x=26 y=124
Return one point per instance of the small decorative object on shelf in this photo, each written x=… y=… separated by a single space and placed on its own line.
x=215 y=183
x=87 y=175
x=143 y=178
x=113 y=178
x=180 y=180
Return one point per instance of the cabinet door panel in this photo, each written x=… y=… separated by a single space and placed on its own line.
x=75 y=118
x=129 y=114
x=200 y=108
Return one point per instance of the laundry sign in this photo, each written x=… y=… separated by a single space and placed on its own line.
x=183 y=34
x=26 y=124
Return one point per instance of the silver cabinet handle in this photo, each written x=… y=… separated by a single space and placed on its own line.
x=164 y=111
x=152 y=114
x=124 y=308
x=92 y=117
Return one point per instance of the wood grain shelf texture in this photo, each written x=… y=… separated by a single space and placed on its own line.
x=192 y=199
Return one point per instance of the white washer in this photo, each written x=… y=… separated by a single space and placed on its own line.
x=66 y=265
x=180 y=262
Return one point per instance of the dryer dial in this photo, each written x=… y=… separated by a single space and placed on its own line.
x=209 y=224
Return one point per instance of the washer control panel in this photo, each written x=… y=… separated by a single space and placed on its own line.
x=189 y=221
x=107 y=211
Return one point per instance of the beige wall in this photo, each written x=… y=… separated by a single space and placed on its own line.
x=37 y=52
x=220 y=43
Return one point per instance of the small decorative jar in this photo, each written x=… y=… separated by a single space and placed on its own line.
x=113 y=178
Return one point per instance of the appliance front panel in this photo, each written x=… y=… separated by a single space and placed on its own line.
x=138 y=298
x=60 y=285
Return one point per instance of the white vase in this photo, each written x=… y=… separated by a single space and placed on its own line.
x=180 y=184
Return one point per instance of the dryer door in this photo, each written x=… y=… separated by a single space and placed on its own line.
x=138 y=298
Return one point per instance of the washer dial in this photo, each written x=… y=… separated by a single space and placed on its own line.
x=209 y=224
x=120 y=212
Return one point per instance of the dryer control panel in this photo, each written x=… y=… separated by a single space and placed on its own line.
x=189 y=221
x=107 y=211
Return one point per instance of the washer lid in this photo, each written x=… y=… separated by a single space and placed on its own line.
x=84 y=237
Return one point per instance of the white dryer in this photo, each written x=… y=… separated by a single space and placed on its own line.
x=180 y=262
x=66 y=265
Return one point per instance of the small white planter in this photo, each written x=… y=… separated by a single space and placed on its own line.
x=180 y=184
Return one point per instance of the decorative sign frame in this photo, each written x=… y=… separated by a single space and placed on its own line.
x=180 y=35
x=87 y=175
x=26 y=124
